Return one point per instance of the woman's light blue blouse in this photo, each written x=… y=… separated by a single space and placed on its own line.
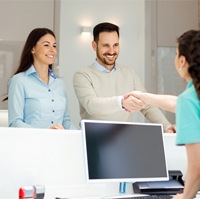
x=34 y=104
x=188 y=116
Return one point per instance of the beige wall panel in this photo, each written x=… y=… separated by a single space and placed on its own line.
x=175 y=17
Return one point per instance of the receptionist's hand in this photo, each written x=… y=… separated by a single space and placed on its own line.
x=56 y=126
x=178 y=196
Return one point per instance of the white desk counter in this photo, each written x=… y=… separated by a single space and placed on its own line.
x=54 y=158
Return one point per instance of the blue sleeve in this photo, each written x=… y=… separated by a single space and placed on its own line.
x=16 y=101
x=67 y=124
x=187 y=120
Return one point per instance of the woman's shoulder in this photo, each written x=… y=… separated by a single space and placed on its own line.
x=189 y=98
x=17 y=80
x=189 y=92
x=18 y=77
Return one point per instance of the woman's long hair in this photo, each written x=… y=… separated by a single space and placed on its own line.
x=26 y=60
x=194 y=69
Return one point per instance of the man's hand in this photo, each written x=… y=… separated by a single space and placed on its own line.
x=132 y=104
x=178 y=196
x=171 y=129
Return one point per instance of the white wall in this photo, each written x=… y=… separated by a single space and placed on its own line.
x=75 y=51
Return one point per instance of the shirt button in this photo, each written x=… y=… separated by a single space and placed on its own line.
x=53 y=111
x=49 y=90
x=52 y=100
x=51 y=122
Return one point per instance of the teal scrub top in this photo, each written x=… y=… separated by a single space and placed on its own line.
x=188 y=116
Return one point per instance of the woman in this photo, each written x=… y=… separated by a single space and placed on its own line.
x=187 y=107
x=188 y=119
x=37 y=98
x=168 y=102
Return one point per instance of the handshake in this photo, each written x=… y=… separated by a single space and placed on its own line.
x=134 y=101
x=137 y=100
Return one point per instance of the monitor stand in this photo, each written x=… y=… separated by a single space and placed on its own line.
x=123 y=193
x=122 y=188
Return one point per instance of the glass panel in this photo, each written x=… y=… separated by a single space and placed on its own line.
x=10 y=52
x=169 y=82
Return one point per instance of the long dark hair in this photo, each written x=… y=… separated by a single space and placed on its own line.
x=184 y=42
x=194 y=69
x=26 y=57
x=26 y=60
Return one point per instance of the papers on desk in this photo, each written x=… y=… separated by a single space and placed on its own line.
x=171 y=187
x=124 y=196
x=171 y=184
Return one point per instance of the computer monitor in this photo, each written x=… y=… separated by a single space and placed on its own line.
x=123 y=151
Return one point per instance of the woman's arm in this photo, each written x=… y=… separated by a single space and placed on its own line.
x=192 y=182
x=16 y=103
x=165 y=102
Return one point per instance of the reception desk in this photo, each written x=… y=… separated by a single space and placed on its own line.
x=54 y=158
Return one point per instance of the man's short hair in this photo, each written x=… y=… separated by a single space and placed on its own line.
x=104 y=27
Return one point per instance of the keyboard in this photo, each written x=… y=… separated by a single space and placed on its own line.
x=146 y=197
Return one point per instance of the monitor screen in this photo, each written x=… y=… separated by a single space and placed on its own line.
x=123 y=151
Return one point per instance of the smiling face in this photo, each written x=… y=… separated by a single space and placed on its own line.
x=107 y=49
x=44 y=52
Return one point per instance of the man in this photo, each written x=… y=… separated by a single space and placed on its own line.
x=100 y=87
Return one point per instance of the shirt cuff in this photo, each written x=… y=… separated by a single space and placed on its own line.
x=120 y=98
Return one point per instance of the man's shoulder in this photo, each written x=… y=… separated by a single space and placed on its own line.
x=86 y=69
x=126 y=69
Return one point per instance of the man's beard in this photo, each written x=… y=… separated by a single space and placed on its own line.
x=103 y=60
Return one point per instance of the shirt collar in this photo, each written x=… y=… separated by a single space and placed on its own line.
x=52 y=73
x=32 y=70
x=190 y=83
x=99 y=67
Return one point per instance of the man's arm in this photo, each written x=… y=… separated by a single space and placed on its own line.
x=152 y=113
x=87 y=97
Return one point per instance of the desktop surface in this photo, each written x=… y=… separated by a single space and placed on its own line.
x=141 y=197
x=125 y=196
